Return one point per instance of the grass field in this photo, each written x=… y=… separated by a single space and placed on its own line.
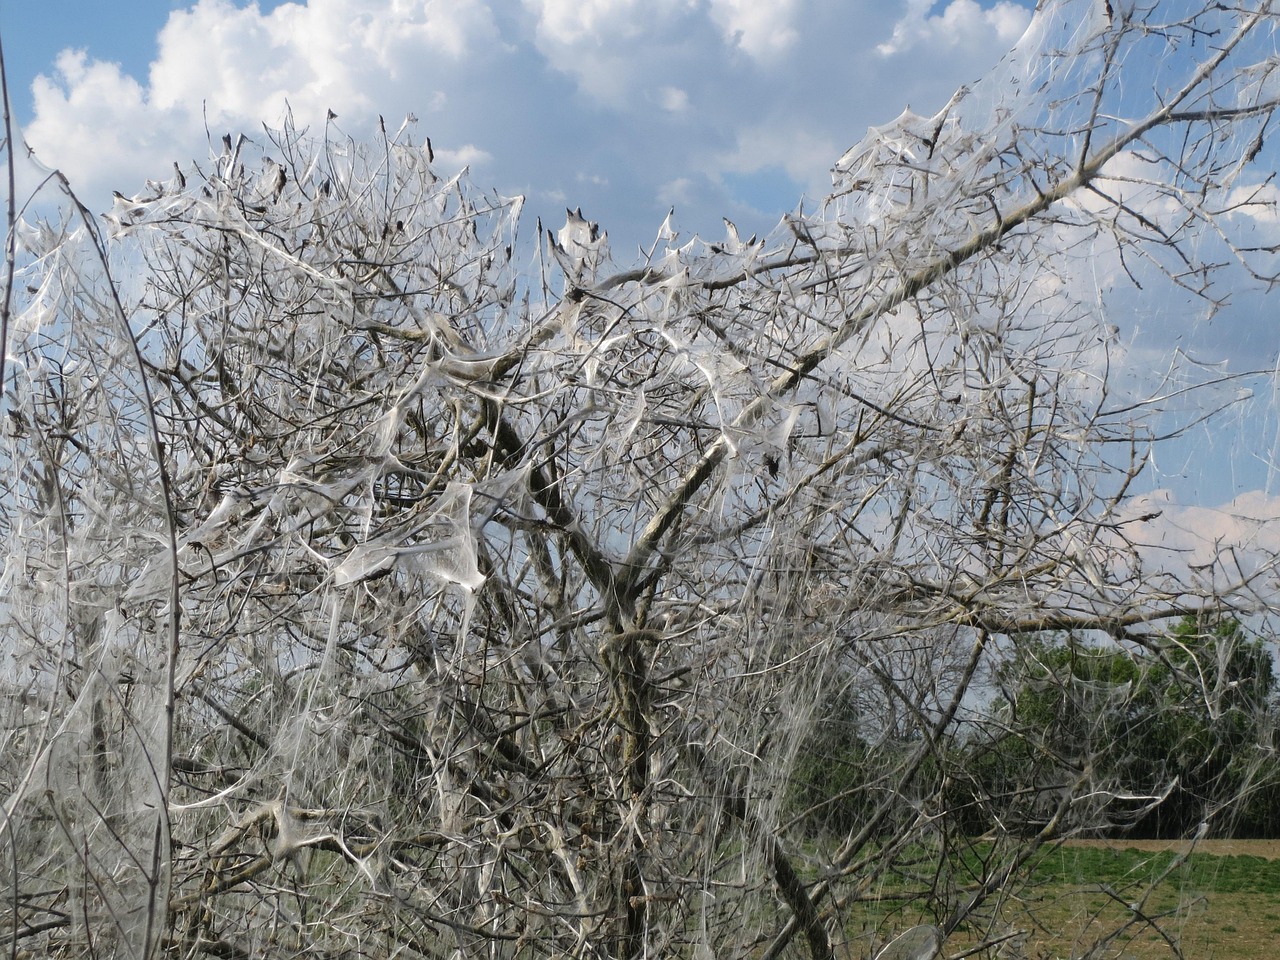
x=1222 y=901
x=1219 y=902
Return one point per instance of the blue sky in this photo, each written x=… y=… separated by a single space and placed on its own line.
x=626 y=108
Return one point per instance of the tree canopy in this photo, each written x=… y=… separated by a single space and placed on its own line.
x=1181 y=731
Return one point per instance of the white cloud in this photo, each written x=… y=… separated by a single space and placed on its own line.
x=762 y=30
x=1217 y=545
x=99 y=126
x=564 y=99
x=233 y=68
x=1260 y=202
x=254 y=62
x=673 y=99
x=468 y=155
x=608 y=46
x=804 y=152
x=962 y=23
x=676 y=192
x=328 y=54
x=565 y=23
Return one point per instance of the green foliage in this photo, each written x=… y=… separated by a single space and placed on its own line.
x=1172 y=731
x=831 y=788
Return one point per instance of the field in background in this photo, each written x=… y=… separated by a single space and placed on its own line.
x=1221 y=901
x=1218 y=902
x=1265 y=849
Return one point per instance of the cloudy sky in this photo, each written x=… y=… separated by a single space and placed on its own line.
x=626 y=108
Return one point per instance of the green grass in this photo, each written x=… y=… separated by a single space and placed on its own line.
x=1223 y=907
x=1125 y=868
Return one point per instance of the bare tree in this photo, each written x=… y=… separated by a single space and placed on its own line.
x=367 y=595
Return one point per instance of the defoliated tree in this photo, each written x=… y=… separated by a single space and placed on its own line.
x=366 y=595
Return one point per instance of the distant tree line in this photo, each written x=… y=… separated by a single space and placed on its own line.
x=1179 y=737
